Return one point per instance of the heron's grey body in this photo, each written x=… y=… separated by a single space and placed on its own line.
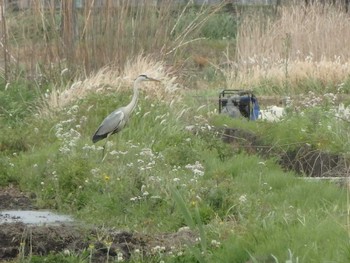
x=113 y=123
x=117 y=120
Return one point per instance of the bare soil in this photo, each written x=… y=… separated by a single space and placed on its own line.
x=19 y=240
x=302 y=159
x=12 y=198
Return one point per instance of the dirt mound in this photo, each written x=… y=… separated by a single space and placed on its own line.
x=19 y=240
x=303 y=159
x=12 y=198
x=314 y=163
x=16 y=238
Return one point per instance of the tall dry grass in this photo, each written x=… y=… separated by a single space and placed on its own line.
x=108 y=79
x=48 y=39
x=99 y=47
x=300 y=42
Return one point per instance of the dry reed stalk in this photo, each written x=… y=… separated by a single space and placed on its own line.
x=89 y=38
x=319 y=30
x=319 y=37
x=4 y=38
x=201 y=18
x=324 y=72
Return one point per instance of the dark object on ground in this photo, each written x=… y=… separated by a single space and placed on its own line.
x=239 y=103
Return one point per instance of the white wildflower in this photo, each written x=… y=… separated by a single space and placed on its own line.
x=95 y=171
x=120 y=257
x=83 y=119
x=147 y=152
x=198 y=172
x=86 y=147
x=215 y=243
x=109 y=144
x=243 y=198
x=114 y=152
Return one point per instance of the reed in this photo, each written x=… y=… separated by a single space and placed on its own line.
x=318 y=37
x=47 y=39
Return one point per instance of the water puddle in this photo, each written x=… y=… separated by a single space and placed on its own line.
x=33 y=217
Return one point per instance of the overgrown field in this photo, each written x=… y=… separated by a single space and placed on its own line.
x=169 y=169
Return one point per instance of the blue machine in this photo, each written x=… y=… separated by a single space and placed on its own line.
x=239 y=103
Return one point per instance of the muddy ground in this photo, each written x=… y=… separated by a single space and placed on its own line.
x=18 y=240
x=303 y=159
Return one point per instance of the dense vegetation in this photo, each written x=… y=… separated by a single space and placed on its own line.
x=169 y=168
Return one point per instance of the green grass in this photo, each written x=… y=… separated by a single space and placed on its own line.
x=159 y=177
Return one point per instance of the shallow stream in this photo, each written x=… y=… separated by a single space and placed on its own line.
x=35 y=217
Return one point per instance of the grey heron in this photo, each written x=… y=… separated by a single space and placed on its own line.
x=117 y=120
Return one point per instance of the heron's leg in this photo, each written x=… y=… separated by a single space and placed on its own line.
x=104 y=148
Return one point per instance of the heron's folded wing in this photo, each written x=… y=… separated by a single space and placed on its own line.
x=111 y=123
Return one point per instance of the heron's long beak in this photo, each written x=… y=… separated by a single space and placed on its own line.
x=152 y=79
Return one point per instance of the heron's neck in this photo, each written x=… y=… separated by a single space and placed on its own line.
x=131 y=106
